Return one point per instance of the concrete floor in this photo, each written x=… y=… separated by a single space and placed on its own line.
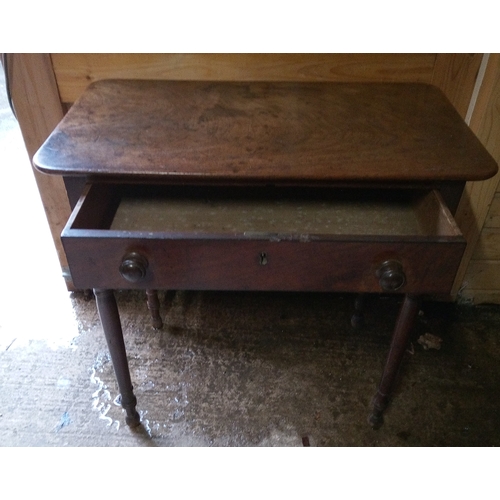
x=228 y=369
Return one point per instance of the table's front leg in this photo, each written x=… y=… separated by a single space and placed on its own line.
x=110 y=319
x=399 y=343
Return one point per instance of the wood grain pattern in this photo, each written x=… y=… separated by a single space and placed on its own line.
x=38 y=110
x=215 y=258
x=493 y=218
x=235 y=264
x=488 y=245
x=265 y=132
x=76 y=71
x=483 y=275
x=475 y=203
x=455 y=75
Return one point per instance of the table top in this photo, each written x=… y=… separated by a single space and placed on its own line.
x=272 y=132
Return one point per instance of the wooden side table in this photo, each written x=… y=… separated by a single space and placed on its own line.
x=264 y=186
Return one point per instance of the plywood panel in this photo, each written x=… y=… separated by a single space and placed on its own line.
x=74 y=72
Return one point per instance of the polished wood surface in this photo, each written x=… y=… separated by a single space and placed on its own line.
x=399 y=343
x=265 y=132
x=110 y=319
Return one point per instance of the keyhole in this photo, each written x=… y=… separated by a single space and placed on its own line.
x=263 y=258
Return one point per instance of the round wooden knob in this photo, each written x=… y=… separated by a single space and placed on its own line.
x=133 y=267
x=391 y=276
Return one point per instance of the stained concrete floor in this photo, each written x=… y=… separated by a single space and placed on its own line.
x=228 y=369
x=253 y=369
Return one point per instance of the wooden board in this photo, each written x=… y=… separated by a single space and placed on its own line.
x=265 y=132
x=76 y=71
x=483 y=275
x=493 y=218
x=488 y=246
x=455 y=75
x=475 y=203
x=285 y=212
x=38 y=110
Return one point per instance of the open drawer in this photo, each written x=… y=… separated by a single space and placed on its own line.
x=268 y=238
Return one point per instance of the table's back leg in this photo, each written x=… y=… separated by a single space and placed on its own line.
x=110 y=319
x=154 y=308
x=399 y=342
x=358 y=317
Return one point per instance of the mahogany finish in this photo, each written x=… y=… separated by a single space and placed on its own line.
x=276 y=164
x=204 y=264
x=110 y=319
x=154 y=308
x=399 y=344
x=194 y=258
x=265 y=132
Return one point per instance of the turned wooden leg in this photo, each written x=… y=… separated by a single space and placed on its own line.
x=110 y=319
x=399 y=342
x=358 y=318
x=154 y=309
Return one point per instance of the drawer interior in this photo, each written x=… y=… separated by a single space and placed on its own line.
x=240 y=211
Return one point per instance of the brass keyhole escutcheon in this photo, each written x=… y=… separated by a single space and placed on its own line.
x=263 y=258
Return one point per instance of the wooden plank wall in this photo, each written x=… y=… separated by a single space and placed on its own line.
x=478 y=280
x=38 y=109
x=455 y=74
x=75 y=71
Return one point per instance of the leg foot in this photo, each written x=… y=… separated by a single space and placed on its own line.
x=380 y=403
x=376 y=419
x=400 y=338
x=154 y=309
x=133 y=421
x=358 y=318
x=132 y=418
x=110 y=319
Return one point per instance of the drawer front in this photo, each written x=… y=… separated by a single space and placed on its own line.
x=355 y=265
x=284 y=240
